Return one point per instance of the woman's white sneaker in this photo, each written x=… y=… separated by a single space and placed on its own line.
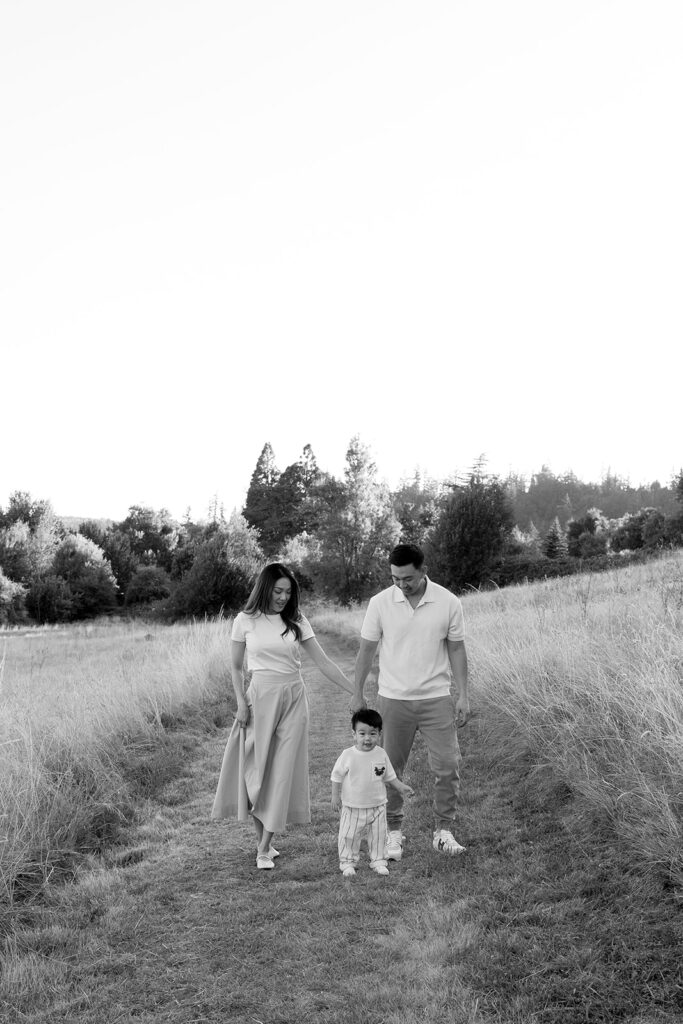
x=445 y=842
x=394 y=845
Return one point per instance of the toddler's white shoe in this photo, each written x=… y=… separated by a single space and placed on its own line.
x=349 y=872
x=380 y=869
x=445 y=842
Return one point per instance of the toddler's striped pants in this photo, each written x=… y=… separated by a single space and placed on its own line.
x=356 y=824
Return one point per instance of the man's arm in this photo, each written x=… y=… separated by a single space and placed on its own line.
x=364 y=661
x=457 y=656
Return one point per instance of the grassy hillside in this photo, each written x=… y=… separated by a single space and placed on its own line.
x=566 y=906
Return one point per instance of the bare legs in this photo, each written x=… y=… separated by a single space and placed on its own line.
x=263 y=837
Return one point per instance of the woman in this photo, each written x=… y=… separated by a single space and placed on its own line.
x=273 y=713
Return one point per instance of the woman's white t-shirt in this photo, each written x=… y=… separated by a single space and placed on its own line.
x=267 y=649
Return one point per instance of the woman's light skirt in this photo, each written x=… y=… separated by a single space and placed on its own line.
x=273 y=767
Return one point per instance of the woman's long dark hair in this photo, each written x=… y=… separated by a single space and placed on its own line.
x=259 y=599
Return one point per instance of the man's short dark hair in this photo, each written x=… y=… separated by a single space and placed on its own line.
x=407 y=554
x=368 y=717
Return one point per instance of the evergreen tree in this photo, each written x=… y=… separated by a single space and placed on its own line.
x=418 y=504
x=470 y=537
x=555 y=544
x=259 y=508
x=278 y=504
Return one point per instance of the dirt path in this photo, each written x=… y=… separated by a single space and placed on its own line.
x=185 y=930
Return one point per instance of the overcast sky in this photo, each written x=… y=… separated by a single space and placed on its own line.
x=452 y=228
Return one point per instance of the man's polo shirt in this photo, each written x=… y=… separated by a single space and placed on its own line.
x=413 y=657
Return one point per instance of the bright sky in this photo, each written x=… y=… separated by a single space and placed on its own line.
x=450 y=227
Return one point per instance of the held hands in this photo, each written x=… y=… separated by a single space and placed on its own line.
x=242 y=715
x=403 y=788
x=356 y=703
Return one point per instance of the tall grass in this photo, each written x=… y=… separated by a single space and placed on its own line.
x=587 y=670
x=78 y=707
x=590 y=671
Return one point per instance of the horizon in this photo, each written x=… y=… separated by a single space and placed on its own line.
x=195 y=517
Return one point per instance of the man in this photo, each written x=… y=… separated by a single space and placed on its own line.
x=418 y=626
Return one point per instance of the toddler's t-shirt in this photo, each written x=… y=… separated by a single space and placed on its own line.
x=362 y=774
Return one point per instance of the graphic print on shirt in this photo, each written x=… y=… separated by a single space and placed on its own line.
x=379 y=769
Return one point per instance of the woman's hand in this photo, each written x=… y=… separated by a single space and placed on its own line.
x=242 y=715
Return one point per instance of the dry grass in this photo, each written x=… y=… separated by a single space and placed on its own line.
x=556 y=914
x=590 y=671
x=85 y=717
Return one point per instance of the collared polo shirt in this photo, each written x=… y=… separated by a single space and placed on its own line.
x=413 y=657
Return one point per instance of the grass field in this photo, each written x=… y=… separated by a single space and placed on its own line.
x=566 y=907
x=84 y=732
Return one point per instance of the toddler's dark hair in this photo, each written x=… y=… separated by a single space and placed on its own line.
x=368 y=717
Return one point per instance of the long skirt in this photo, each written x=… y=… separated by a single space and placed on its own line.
x=273 y=759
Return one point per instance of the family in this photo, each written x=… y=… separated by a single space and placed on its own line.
x=418 y=628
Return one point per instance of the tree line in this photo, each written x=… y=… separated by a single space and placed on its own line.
x=477 y=530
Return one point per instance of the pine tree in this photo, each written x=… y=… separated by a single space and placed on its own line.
x=470 y=537
x=260 y=507
x=555 y=544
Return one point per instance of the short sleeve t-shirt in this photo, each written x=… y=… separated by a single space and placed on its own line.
x=413 y=657
x=363 y=774
x=267 y=649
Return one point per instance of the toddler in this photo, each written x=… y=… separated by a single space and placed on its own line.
x=359 y=780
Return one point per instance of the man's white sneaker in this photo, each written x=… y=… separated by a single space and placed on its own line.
x=444 y=842
x=395 y=845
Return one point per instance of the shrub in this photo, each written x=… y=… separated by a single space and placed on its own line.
x=152 y=535
x=12 y=604
x=222 y=571
x=49 y=599
x=149 y=583
x=90 y=583
x=215 y=583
